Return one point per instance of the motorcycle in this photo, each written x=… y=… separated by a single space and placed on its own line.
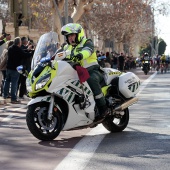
x=61 y=102
x=146 y=67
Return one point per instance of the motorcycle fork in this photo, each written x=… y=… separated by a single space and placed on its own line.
x=50 y=109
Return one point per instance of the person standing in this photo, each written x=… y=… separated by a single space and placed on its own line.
x=4 y=38
x=121 y=62
x=27 y=63
x=15 y=55
x=114 y=61
x=108 y=62
x=3 y=63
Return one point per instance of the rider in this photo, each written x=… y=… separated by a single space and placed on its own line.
x=164 y=62
x=146 y=59
x=82 y=49
x=163 y=59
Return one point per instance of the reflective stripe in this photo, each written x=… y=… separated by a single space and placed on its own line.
x=86 y=65
x=88 y=49
x=99 y=96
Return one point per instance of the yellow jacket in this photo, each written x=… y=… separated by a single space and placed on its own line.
x=86 y=48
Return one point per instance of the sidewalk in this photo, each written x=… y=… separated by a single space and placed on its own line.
x=4 y=101
x=8 y=101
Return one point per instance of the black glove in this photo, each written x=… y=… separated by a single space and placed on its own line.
x=79 y=57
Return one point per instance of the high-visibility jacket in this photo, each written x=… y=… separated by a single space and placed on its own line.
x=163 y=58
x=86 y=48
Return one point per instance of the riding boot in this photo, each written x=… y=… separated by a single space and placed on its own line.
x=103 y=112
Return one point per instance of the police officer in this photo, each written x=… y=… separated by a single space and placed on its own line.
x=82 y=49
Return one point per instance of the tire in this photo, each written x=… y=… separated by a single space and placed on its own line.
x=146 y=72
x=38 y=124
x=119 y=126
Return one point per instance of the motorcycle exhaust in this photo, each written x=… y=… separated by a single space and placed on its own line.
x=126 y=104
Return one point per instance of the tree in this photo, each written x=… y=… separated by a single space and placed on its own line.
x=162 y=47
x=129 y=22
x=4 y=13
x=160 y=44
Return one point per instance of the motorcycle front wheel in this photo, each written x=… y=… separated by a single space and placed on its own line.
x=146 y=71
x=115 y=124
x=38 y=123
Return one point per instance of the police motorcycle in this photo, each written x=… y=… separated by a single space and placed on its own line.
x=60 y=102
x=146 y=67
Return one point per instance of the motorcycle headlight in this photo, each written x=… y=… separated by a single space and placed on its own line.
x=28 y=84
x=42 y=82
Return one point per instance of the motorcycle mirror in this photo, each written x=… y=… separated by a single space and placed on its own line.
x=20 y=69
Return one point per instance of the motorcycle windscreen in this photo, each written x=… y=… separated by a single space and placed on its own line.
x=46 y=47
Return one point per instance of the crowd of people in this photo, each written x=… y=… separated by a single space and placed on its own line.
x=161 y=61
x=17 y=52
x=120 y=61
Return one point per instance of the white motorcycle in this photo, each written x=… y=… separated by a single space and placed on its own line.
x=60 y=102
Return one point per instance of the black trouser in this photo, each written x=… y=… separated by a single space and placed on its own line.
x=96 y=78
x=121 y=67
x=22 y=86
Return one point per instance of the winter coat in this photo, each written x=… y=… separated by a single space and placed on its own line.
x=15 y=57
x=3 y=59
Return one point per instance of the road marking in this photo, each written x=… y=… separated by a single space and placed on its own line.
x=163 y=137
x=161 y=99
x=145 y=83
x=9 y=117
x=80 y=155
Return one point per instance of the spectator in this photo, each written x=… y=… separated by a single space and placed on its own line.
x=3 y=63
x=4 y=38
x=108 y=61
x=27 y=63
x=114 y=61
x=121 y=62
x=102 y=59
x=15 y=56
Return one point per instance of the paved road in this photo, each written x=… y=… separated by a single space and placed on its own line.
x=143 y=145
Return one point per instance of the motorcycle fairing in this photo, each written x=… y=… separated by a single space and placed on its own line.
x=77 y=116
x=104 y=89
x=80 y=87
x=110 y=74
x=80 y=117
x=46 y=70
x=65 y=79
x=39 y=99
x=65 y=72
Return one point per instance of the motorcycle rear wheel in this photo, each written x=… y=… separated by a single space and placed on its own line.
x=38 y=124
x=113 y=124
